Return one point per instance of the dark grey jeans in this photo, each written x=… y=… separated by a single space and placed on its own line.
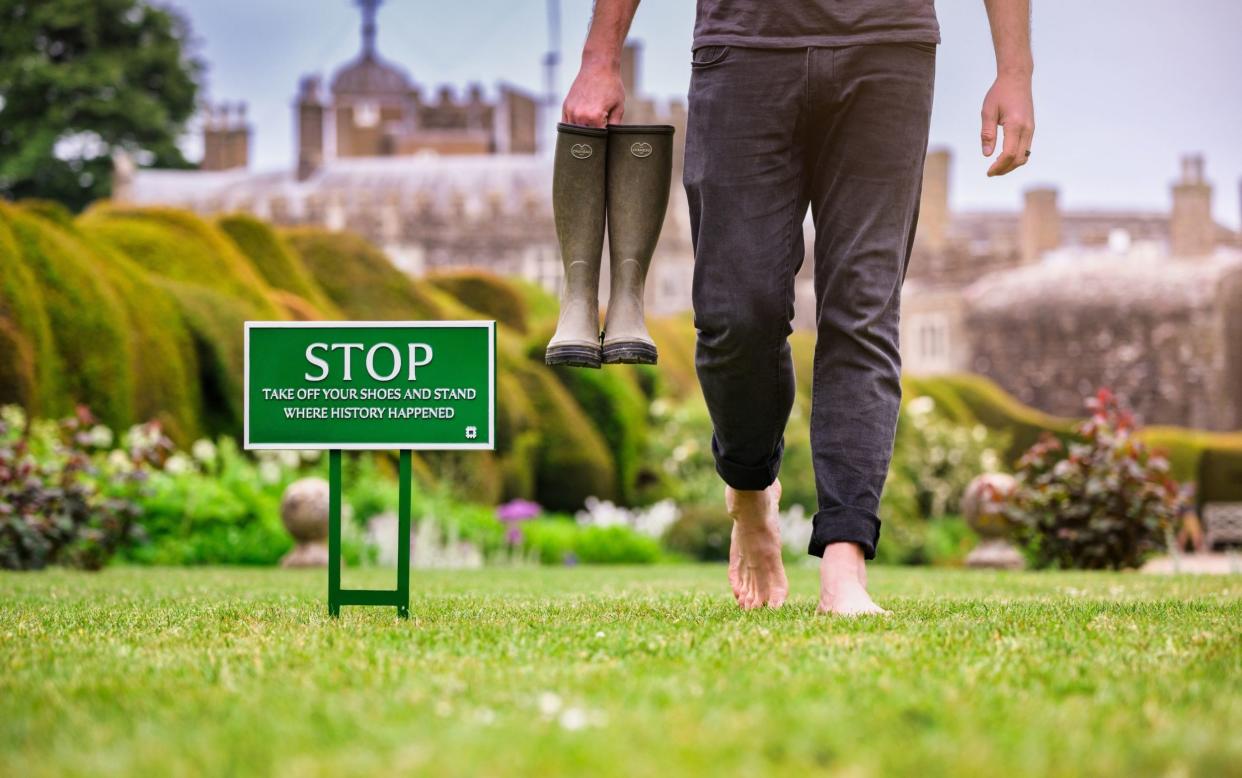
x=771 y=131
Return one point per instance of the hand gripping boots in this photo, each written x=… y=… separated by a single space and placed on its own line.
x=625 y=170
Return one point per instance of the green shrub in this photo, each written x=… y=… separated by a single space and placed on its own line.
x=573 y=461
x=64 y=499
x=559 y=541
x=88 y=322
x=941 y=457
x=1105 y=502
x=679 y=449
x=487 y=293
x=280 y=267
x=359 y=278
x=701 y=532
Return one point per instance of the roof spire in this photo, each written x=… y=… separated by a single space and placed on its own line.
x=369 y=8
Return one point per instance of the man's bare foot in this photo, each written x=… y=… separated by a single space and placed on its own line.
x=756 y=571
x=843 y=582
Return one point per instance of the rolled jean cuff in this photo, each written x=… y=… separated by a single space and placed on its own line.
x=845 y=525
x=748 y=478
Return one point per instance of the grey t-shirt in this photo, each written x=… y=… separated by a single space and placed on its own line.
x=799 y=23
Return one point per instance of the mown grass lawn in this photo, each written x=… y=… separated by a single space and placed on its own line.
x=622 y=671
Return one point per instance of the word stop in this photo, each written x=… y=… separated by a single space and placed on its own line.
x=418 y=354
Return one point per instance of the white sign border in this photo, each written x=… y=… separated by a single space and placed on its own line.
x=488 y=445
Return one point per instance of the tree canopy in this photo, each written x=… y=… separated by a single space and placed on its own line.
x=83 y=79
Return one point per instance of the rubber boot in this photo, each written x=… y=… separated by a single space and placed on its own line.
x=640 y=166
x=579 y=192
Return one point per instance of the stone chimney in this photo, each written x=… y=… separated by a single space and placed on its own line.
x=629 y=67
x=226 y=137
x=1192 y=233
x=310 y=120
x=1040 y=230
x=933 y=231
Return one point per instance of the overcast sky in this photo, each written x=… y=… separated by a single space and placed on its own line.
x=1122 y=87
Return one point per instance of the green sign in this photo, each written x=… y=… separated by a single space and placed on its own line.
x=370 y=385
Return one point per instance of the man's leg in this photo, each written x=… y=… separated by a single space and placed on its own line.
x=873 y=109
x=745 y=185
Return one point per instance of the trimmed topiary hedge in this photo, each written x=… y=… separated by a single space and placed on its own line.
x=182 y=247
x=29 y=365
x=88 y=322
x=487 y=293
x=280 y=267
x=612 y=400
x=164 y=365
x=992 y=407
x=573 y=461
x=358 y=277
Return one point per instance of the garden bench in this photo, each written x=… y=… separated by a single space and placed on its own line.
x=1222 y=523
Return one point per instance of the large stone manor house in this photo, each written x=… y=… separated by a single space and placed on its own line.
x=1048 y=302
x=440 y=182
x=1053 y=304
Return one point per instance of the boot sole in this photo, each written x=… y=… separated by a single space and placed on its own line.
x=629 y=352
x=572 y=356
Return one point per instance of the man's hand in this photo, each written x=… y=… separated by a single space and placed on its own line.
x=1009 y=105
x=597 y=97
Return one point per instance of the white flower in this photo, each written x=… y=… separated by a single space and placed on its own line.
x=269 y=472
x=573 y=719
x=118 y=462
x=178 y=464
x=100 y=436
x=204 y=451
x=549 y=704
x=13 y=416
x=289 y=458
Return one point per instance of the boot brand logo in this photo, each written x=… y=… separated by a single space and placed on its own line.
x=641 y=150
x=581 y=151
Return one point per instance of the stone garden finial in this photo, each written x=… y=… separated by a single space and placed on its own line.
x=983 y=509
x=304 y=511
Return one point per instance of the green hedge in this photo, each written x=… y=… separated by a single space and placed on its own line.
x=280 y=267
x=487 y=293
x=573 y=461
x=1213 y=460
x=164 y=363
x=182 y=247
x=992 y=407
x=29 y=365
x=88 y=321
x=612 y=400
x=358 y=277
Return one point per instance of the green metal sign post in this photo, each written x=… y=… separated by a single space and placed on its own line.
x=370 y=386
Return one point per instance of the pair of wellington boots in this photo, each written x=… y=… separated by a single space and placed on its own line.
x=617 y=176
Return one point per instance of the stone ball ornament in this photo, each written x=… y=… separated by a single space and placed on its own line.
x=304 y=512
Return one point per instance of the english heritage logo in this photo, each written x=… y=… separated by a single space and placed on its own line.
x=641 y=150
x=581 y=151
